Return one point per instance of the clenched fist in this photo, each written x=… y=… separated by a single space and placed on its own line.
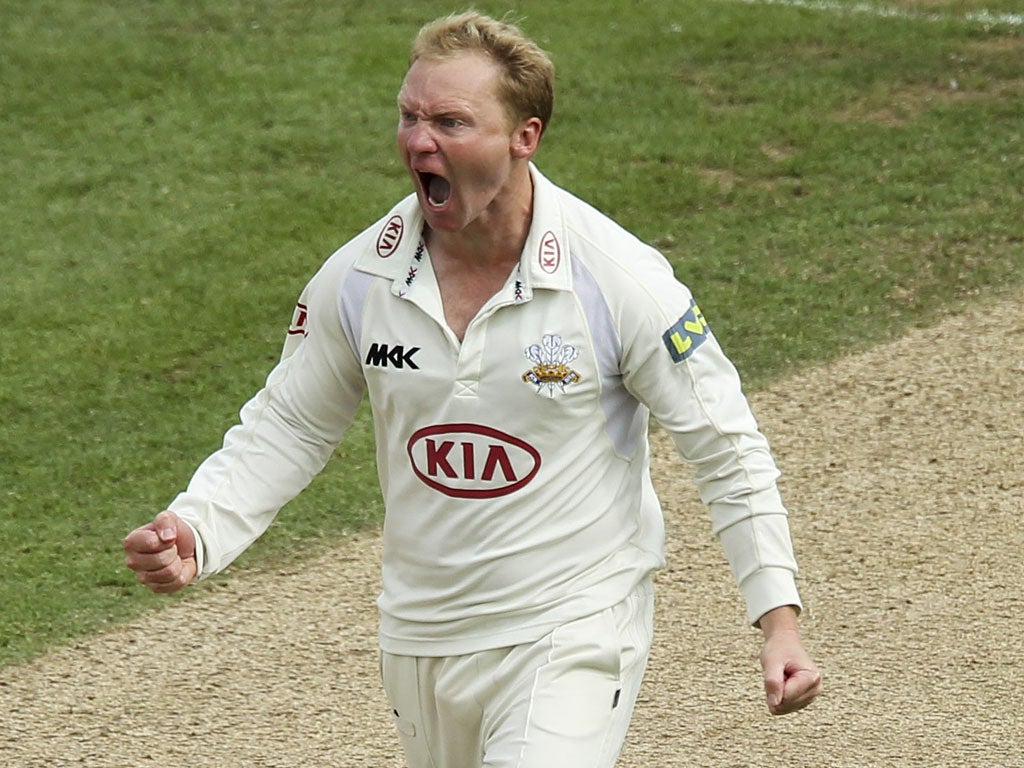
x=162 y=553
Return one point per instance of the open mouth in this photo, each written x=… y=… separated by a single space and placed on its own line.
x=437 y=189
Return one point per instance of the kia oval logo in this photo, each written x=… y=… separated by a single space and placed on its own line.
x=390 y=236
x=550 y=253
x=471 y=461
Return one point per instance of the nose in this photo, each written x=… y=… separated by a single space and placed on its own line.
x=418 y=137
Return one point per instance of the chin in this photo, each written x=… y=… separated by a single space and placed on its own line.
x=440 y=221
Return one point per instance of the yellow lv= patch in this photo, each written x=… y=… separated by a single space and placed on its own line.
x=686 y=334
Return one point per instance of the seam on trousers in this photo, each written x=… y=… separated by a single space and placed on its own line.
x=419 y=699
x=533 y=700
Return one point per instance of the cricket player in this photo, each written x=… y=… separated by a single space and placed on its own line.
x=514 y=343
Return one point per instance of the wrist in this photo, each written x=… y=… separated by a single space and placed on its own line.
x=778 y=620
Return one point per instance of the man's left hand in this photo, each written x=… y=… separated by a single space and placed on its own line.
x=791 y=679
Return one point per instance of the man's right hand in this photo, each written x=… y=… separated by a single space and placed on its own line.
x=162 y=553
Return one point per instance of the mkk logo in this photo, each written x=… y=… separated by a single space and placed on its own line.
x=550 y=253
x=390 y=236
x=383 y=355
x=471 y=461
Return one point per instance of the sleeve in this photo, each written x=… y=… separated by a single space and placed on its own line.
x=285 y=434
x=674 y=365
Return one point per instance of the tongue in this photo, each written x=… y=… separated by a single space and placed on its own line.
x=439 y=190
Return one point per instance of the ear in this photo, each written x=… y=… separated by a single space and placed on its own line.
x=526 y=138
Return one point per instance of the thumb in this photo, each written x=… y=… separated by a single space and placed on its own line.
x=167 y=525
x=774 y=685
x=175 y=532
x=186 y=540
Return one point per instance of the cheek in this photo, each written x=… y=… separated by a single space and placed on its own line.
x=401 y=142
x=487 y=169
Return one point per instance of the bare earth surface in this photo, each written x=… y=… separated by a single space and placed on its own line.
x=904 y=474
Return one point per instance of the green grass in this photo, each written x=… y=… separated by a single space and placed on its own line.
x=173 y=173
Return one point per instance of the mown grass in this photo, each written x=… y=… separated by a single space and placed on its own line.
x=173 y=172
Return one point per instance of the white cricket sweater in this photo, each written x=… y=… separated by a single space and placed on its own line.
x=513 y=465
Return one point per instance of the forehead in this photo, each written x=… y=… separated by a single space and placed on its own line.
x=467 y=78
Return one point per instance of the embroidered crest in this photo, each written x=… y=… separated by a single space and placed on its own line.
x=551 y=361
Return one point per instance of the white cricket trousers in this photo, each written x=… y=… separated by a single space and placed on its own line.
x=564 y=701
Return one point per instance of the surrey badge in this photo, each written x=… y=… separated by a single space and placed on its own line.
x=551 y=368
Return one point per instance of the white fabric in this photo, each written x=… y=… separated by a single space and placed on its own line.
x=514 y=465
x=565 y=700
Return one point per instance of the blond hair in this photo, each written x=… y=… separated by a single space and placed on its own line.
x=527 y=85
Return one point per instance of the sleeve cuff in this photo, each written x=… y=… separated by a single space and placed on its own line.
x=200 y=551
x=767 y=589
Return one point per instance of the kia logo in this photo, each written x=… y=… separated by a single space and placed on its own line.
x=390 y=236
x=471 y=461
x=550 y=253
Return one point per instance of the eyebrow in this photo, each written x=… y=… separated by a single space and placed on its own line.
x=443 y=110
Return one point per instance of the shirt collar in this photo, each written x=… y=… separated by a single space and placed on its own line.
x=395 y=241
x=545 y=261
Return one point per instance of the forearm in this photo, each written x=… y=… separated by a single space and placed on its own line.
x=236 y=492
x=779 y=620
x=760 y=555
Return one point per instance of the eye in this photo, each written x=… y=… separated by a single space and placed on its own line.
x=450 y=122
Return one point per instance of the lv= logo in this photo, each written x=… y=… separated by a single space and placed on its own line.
x=688 y=333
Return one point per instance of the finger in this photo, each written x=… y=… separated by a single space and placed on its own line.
x=144 y=540
x=774 y=683
x=805 y=684
x=788 y=706
x=156 y=536
x=185 y=576
x=800 y=690
x=151 y=561
x=163 y=587
x=166 y=526
x=165 y=575
x=186 y=540
x=171 y=578
x=774 y=690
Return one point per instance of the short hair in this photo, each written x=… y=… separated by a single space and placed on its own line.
x=527 y=86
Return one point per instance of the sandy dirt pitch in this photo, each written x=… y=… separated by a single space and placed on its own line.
x=904 y=474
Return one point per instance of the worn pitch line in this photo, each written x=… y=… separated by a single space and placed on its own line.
x=984 y=18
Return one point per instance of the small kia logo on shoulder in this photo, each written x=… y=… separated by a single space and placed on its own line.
x=550 y=255
x=390 y=236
